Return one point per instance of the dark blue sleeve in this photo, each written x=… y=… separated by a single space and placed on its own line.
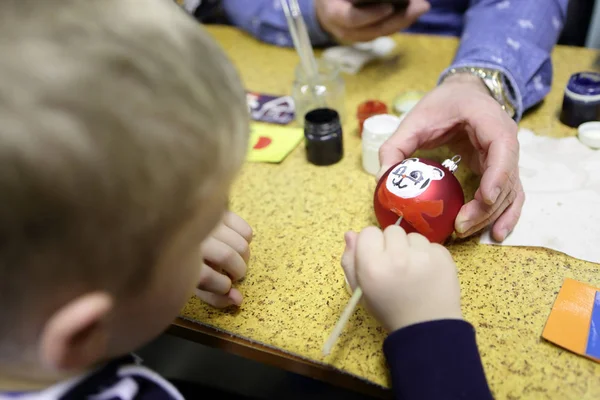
x=436 y=360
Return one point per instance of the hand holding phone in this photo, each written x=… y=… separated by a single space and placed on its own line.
x=351 y=21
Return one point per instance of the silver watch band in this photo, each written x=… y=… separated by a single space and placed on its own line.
x=496 y=83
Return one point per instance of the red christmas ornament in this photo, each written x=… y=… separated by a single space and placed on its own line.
x=425 y=193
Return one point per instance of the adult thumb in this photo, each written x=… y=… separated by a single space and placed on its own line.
x=416 y=8
x=401 y=145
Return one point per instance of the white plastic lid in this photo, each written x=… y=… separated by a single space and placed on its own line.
x=589 y=134
x=376 y=130
x=407 y=101
x=380 y=125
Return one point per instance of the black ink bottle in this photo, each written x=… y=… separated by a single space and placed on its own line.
x=323 y=136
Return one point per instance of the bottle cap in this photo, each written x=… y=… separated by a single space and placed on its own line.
x=405 y=102
x=589 y=134
x=376 y=130
x=581 y=100
x=368 y=109
x=380 y=125
x=584 y=85
x=323 y=136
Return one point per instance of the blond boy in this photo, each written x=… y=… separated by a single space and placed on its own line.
x=120 y=134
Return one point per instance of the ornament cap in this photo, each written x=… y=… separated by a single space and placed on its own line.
x=452 y=163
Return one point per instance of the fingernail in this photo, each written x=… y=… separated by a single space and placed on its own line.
x=462 y=228
x=462 y=225
x=503 y=234
x=495 y=195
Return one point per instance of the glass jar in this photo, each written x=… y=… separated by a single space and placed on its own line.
x=327 y=92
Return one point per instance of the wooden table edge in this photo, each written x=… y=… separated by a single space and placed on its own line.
x=212 y=337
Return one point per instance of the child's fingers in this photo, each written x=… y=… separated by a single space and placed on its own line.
x=213 y=281
x=238 y=224
x=348 y=258
x=417 y=241
x=369 y=245
x=396 y=243
x=233 y=298
x=223 y=258
x=233 y=239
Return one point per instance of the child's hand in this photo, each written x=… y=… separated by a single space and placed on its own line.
x=226 y=253
x=405 y=279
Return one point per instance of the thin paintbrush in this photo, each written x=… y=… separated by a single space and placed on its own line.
x=345 y=317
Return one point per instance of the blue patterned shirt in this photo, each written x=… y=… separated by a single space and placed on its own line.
x=513 y=36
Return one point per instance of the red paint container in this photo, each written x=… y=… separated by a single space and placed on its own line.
x=368 y=109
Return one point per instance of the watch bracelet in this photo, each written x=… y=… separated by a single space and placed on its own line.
x=500 y=94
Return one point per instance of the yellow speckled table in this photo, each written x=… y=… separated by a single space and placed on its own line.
x=294 y=291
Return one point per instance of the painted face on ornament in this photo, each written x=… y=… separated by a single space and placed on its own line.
x=411 y=178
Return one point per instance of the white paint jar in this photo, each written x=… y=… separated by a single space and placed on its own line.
x=376 y=130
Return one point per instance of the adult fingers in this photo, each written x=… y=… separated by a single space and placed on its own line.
x=390 y=24
x=238 y=224
x=213 y=281
x=348 y=258
x=508 y=220
x=404 y=142
x=480 y=214
x=346 y=16
x=423 y=126
x=223 y=257
x=233 y=239
x=502 y=162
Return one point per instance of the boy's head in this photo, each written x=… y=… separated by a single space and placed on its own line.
x=121 y=128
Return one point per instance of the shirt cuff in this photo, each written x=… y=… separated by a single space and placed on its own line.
x=515 y=96
x=436 y=360
x=318 y=37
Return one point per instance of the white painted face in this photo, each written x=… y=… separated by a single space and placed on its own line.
x=411 y=178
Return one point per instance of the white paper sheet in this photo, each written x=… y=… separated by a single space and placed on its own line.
x=561 y=179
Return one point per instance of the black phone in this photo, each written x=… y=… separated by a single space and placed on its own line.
x=398 y=4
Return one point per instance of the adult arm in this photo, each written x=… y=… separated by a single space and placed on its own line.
x=515 y=37
x=436 y=360
x=265 y=20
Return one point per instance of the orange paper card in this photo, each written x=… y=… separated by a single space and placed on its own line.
x=571 y=322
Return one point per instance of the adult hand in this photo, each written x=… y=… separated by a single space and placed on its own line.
x=226 y=253
x=348 y=23
x=461 y=113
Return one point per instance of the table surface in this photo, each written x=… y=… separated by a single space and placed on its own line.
x=294 y=291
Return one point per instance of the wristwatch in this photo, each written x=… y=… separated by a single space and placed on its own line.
x=496 y=83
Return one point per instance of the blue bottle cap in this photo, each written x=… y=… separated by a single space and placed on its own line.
x=581 y=100
x=584 y=84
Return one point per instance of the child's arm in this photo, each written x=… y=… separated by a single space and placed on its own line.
x=436 y=360
x=411 y=287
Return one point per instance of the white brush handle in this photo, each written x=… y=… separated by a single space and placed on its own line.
x=345 y=317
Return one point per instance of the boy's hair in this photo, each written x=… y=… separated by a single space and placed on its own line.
x=116 y=121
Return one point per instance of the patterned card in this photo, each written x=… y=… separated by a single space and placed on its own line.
x=574 y=321
x=271 y=109
x=271 y=143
